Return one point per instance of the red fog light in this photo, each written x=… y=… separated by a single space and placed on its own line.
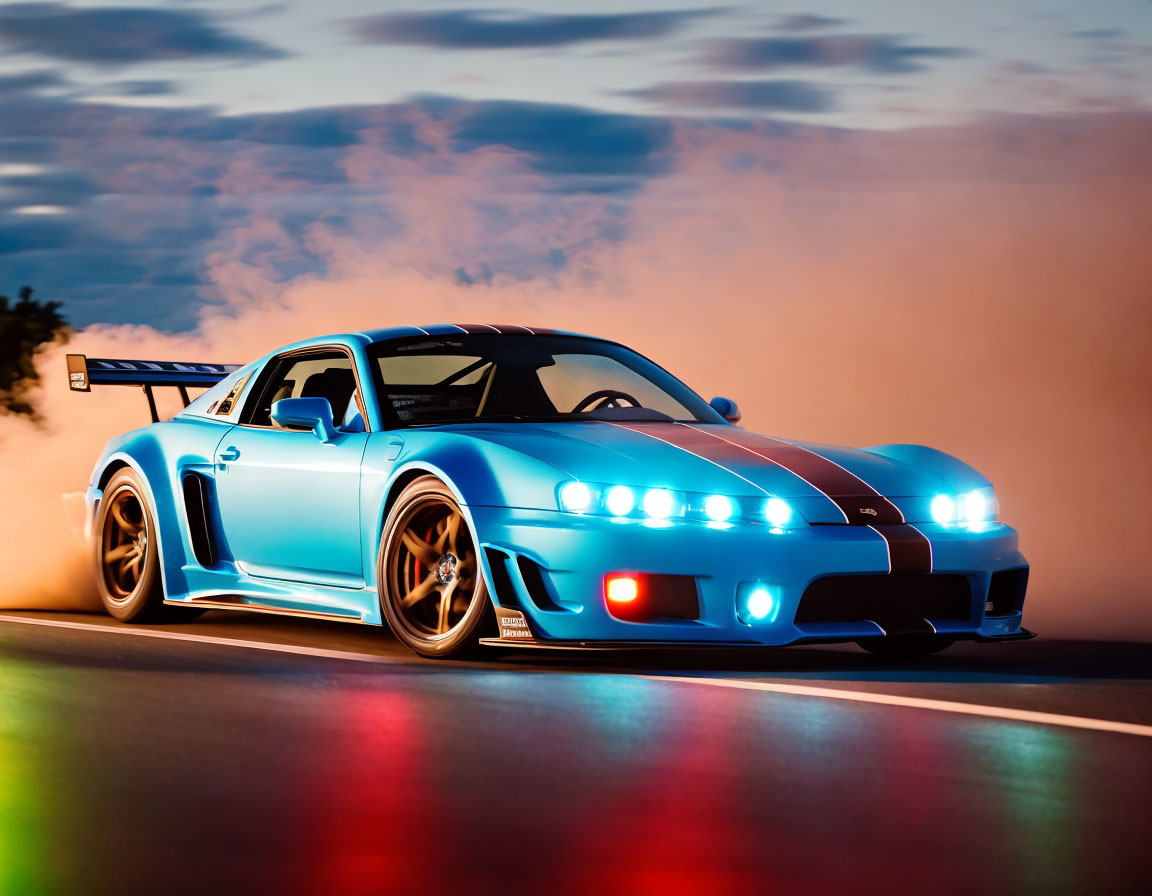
x=621 y=589
x=650 y=597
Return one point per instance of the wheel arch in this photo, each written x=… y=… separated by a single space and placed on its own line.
x=122 y=460
x=111 y=469
x=401 y=478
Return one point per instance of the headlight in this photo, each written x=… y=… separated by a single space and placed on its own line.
x=719 y=508
x=664 y=506
x=619 y=500
x=575 y=497
x=659 y=503
x=777 y=512
x=978 y=506
x=943 y=509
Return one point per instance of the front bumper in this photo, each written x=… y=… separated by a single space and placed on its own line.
x=575 y=553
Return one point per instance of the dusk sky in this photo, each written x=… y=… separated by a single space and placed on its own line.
x=137 y=139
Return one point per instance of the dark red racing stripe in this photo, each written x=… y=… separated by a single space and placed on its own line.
x=502 y=328
x=700 y=444
x=477 y=328
x=909 y=551
x=861 y=504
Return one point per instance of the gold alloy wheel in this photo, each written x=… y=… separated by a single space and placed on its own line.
x=124 y=545
x=432 y=575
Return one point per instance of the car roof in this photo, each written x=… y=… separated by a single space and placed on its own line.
x=367 y=337
x=451 y=329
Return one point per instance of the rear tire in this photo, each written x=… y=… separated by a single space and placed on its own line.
x=432 y=593
x=127 y=555
x=905 y=648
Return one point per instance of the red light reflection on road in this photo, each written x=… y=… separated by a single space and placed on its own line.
x=365 y=801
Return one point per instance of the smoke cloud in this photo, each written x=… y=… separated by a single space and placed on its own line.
x=983 y=289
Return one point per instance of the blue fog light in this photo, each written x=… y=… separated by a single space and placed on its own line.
x=658 y=503
x=719 y=508
x=760 y=604
x=620 y=501
x=777 y=512
x=575 y=497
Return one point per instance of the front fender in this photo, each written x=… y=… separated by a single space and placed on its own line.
x=478 y=473
x=952 y=470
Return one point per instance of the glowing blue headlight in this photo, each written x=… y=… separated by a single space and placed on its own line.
x=620 y=500
x=575 y=497
x=978 y=506
x=719 y=508
x=943 y=509
x=658 y=503
x=777 y=512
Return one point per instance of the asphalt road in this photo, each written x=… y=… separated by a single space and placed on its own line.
x=256 y=754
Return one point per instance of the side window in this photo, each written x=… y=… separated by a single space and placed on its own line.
x=317 y=375
x=438 y=385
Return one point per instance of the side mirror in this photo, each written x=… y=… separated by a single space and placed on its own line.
x=726 y=408
x=305 y=413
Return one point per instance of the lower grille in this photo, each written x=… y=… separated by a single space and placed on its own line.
x=886 y=598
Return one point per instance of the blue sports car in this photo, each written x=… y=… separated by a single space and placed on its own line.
x=496 y=485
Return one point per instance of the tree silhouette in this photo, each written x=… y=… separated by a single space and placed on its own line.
x=25 y=326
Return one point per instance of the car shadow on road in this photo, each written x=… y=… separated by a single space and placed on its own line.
x=1037 y=661
x=1041 y=661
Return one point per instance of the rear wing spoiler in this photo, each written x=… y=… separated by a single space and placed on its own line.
x=84 y=373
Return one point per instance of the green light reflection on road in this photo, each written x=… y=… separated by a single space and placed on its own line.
x=1037 y=768
x=25 y=859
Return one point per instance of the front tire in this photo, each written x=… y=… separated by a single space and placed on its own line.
x=432 y=592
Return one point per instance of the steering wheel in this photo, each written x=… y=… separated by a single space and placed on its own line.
x=605 y=398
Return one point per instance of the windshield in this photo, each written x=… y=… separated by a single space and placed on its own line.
x=511 y=377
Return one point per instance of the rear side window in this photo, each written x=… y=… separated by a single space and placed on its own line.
x=316 y=375
x=228 y=403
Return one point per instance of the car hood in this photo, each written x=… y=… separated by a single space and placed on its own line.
x=722 y=459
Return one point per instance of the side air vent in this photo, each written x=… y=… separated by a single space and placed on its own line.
x=501 y=580
x=1006 y=592
x=534 y=581
x=199 y=528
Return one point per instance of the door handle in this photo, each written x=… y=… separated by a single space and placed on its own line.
x=229 y=454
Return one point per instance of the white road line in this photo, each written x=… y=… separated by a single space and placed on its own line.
x=206 y=639
x=972 y=709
